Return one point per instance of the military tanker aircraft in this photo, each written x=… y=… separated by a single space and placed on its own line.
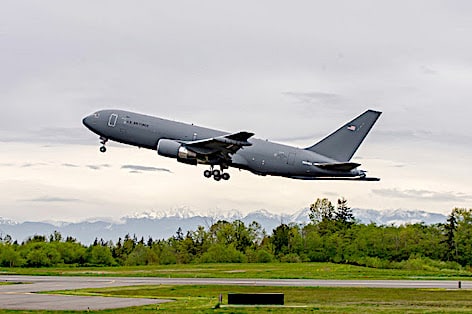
x=328 y=159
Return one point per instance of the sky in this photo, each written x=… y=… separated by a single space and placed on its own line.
x=289 y=71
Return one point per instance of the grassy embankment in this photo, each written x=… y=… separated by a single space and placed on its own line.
x=269 y=271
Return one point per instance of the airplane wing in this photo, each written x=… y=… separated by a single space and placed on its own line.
x=221 y=146
x=338 y=166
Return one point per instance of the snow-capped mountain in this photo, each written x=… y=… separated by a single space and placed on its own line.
x=164 y=224
x=4 y=221
x=397 y=216
x=185 y=213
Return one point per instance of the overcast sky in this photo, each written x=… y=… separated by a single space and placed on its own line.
x=289 y=71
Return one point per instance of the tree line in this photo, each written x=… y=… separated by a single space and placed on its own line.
x=333 y=235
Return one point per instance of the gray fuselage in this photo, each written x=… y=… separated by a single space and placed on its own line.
x=263 y=157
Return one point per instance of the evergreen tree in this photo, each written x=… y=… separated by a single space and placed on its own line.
x=463 y=236
x=280 y=239
x=179 y=235
x=450 y=229
x=343 y=214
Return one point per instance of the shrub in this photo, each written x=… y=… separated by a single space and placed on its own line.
x=219 y=253
x=291 y=258
x=262 y=256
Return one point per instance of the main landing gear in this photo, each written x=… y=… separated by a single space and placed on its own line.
x=103 y=141
x=217 y=174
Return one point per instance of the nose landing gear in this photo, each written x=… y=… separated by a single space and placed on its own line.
x=103 y=141
x=217 y=174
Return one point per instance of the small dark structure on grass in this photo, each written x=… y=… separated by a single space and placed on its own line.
x=256 y=298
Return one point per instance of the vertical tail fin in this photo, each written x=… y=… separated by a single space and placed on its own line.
x=344 y=142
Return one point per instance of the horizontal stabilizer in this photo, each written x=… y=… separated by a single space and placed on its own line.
x=338 y=166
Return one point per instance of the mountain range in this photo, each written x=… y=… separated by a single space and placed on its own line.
x=164 y=224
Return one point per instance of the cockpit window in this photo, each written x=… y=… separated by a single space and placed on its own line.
x=96 y=114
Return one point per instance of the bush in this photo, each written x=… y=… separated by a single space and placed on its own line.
x=372 y=262
x=425 y=263
x=291 y=258
x=167 y=256
x=9 y=257
x=262 y=256
x=219 y=253
x=101 y=256
x=37 y=258
x=141 y=255
x=41 y=255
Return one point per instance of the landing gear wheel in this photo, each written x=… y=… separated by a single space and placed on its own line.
x=217 y=174
x=103 y=141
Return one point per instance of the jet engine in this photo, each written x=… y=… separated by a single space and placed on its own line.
x=173 y=149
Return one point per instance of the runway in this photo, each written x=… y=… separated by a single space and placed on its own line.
x=24 y=297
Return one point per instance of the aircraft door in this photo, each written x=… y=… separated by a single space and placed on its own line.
x=112 y=120
x=291 y=158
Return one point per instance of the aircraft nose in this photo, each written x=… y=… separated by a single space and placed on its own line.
x=89 y=121
x=85 y=121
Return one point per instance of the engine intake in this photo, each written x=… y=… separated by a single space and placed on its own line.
x=173 y=149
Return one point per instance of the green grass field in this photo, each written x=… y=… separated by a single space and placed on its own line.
x=204 y=299
x=251 y=270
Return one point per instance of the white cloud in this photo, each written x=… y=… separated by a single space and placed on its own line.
x=51 y=199
x=139 y=168
x=447 y=197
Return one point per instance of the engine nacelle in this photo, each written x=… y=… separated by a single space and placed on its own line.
x=173 y=149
